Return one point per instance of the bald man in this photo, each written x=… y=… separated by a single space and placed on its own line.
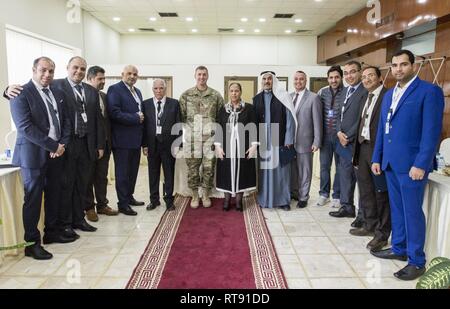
x=125 y=111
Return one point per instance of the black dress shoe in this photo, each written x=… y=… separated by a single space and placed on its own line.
x=343 y=213
x=152 y=206
x=84 y=226
x=128 y=211
x=133 y=202
x=361 y=232
x=68 y=232
x=302 y=204
x=171 y=207
x=37 y=252
x=286 y=207
x=388 y=254
x=358 y=223
x=376 y=245
x=59 y=238
x=410 y=272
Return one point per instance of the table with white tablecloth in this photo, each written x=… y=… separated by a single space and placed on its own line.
x=436 y=206
x=11 y=201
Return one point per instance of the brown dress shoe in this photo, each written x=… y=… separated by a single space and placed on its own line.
x=376 y=244
x=108 y=211
x=91 y=215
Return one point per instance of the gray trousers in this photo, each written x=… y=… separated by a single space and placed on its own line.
x=301 y=175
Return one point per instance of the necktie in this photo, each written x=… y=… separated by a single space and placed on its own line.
x=102 y=105
x=296 y=98
x=53 y=112
x=361 y=138
x=159 y=108
x=350 y=92
x=81 y=126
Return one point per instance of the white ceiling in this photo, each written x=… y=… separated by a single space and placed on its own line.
x=208 y=15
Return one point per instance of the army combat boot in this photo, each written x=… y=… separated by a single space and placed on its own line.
x=195 y=199
x=205 y=199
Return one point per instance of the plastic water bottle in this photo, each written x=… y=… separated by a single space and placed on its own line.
x=440 y=163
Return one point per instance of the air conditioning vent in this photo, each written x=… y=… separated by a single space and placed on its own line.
x=341 y=41
x=147 y=29
x=225 y=30
x=385 y=21
x=168 y=14
x=302 y=31
x=283 y=15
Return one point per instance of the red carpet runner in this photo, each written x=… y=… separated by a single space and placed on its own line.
x=210 y=249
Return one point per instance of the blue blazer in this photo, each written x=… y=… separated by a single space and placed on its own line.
x=415 y=128
x=33 y=146
x=126 y=130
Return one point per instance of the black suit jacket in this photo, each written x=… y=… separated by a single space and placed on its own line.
x=170 y=117
x=95 y=130
x=373 y=127
x=106 y=123
x=352 y=112
x=31 y=118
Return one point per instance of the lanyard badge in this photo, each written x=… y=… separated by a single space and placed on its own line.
x=388 y=121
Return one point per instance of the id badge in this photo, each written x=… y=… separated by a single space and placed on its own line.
x=364 y=132
x=158 y=130
x=331 y=113
x=84 y=116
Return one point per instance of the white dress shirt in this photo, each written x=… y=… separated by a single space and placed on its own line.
x=398 y=94
x=300 y=97
x=52 y=131
x=367 y=113
x=135 y=95
x=155 y=103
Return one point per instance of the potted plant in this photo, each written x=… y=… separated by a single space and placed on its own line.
x=437 y=275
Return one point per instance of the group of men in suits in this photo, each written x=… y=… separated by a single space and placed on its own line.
x=386 y=141
x=383 y=139
x=67 y=130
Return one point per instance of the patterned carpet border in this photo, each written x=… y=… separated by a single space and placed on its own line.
x=147 y=273
x=266 y=266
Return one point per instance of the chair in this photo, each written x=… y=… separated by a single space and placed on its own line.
x=444 y=150
x=10 y=140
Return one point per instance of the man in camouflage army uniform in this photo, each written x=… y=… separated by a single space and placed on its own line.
x=199 y=107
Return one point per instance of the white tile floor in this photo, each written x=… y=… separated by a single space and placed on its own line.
x=315 y=251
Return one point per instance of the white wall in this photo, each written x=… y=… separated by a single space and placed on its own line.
x=102 y=44
x=219 y=49
x=178 y=55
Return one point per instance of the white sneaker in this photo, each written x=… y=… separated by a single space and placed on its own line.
x=336 y=203
x=322 y=201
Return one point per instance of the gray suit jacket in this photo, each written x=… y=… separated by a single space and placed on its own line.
x=310 y=122
x=352 y=112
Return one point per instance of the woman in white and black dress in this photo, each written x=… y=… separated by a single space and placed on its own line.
x=235 y=149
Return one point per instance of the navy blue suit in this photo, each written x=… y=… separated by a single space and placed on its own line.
x=40 y=173
x=126 y=135
x=412 y=140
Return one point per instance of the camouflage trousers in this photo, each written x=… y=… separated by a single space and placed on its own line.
x=201 y=167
